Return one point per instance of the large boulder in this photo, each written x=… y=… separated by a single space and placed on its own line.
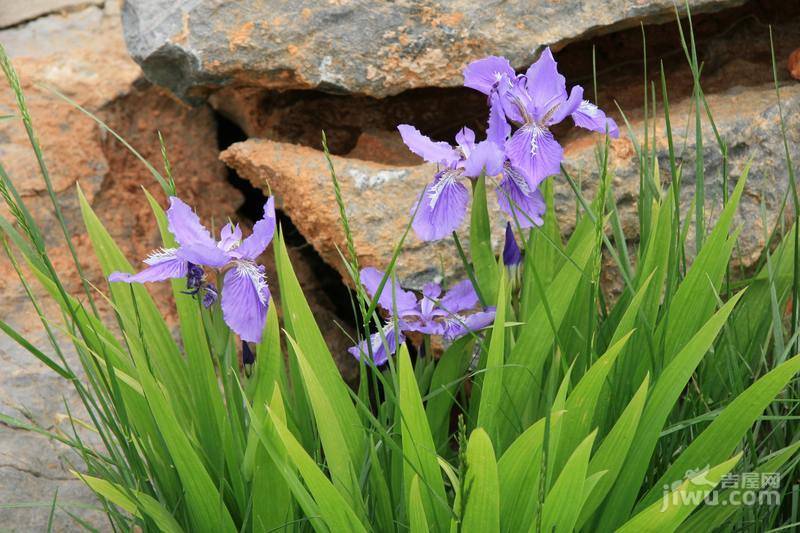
x=358 y=46
x=380 y=178
x=379 y=196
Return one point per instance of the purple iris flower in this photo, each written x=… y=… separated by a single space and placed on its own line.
x=443 y=203
x=452 y=314
x=534 y=102
x=516 y=198
x=245 y=294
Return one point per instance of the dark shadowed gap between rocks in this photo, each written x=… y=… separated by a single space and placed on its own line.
x=252 y=210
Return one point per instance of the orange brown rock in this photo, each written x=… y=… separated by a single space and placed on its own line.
x=794 y=64
x=378 y=200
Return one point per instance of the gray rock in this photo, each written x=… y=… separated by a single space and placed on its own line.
x=32 y=467
x=357 y=46
x=748 y=120
x=55 y=33
x=18 y=11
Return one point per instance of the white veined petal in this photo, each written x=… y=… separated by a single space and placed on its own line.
x=536 y=132
x=251 y=270
x=587 y=108
x=161 y=255
x=448 y=178
x=518 y=179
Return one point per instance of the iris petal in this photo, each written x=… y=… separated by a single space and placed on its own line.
x=185 y=225
x=486 y=156
x=460 y=326
x=245 y=300
x=484 y=74
x=533 y=151
x=201 y=254
x=460 y=297
x=263 y=230
x=430 y=151
x=430 y=326
x=568 y=107
x=591 y=117
x=392 y=296
x=546 y=87
x=465 y=138
x=430 y=296
x=229 y=237
x=515 y=100
x=498 y=128
x=442 y=207
x=380 y=356
x=162 y=265
x=196 y=243
x=516 y=200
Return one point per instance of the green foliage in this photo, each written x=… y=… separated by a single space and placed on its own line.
x=572 y=412
x=481 y=485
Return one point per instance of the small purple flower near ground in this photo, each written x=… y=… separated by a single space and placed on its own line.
x=452 y=314
x=245 y=294
x=194 y=279
x=210 y=295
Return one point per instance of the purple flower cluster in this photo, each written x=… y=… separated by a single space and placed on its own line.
x=518 y=145
x=452 y=314
x=245 y=294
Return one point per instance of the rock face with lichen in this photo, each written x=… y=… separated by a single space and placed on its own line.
x=365 y=47
x=380 y=178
